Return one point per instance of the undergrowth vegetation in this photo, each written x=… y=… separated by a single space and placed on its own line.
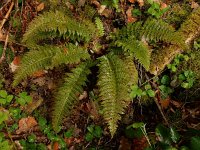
x=143 y=61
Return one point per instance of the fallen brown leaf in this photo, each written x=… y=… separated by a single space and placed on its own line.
x=39 y=73
x=165 y=103
x=26 y=124
x=55 y=146
x=130 y=18
x=194 y=5
x=40 y=7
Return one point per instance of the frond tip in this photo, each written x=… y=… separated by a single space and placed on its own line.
x=67 y=95
x=113 y=86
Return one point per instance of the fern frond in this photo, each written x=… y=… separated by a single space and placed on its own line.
x=99 y=25
x=56 y=23
x=67 y=95
x=113 y=86
x=70 y=54
x=137 y=48
x=133 y=73
x=33 y=61
x=159 y=30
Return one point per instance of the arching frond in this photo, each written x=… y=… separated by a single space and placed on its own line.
x=113 y=86
x=56 y=23
x=67 y=96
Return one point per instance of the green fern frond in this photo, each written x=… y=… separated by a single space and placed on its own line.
x=99 y=25
x=159 y=30
x=70 y=54
x=136 y=48
x=33 y=61
x=67 y=95
x=56 y=23
x=113 y=86
x=133 y=73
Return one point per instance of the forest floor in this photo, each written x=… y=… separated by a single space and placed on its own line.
x=28 y=125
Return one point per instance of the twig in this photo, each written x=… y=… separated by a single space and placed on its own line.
x=6 y=16
x=4 y=48
x=156 y=101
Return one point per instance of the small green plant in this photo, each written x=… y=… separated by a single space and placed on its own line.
x=51 y=135
x=93 y=132
x=5 y=98
x=155 y=9
x=138 y=92
x=179 y=58
x=4 y=144
x=164 y=86
x=3 y=116
x=187 y=79
x=23 y=98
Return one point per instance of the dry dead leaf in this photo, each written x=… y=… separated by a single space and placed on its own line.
x=55 y=146
x=39 y=73
x=131 y=1
x=176 y=104
x=130 y=18
x=140 y=2
x=165 y=103
x=40 y=7
x=101 y=9
x=163 y=5
x=2 y=36
x=26 y=124
x=15 y=63
x=194 y=5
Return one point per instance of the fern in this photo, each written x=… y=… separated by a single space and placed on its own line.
x=69 y=54
x=158 y=30
x=67 y=95
x=113 y=86
x=99 y=25
x=137 y=48
x=33 y=61
x=56 y=24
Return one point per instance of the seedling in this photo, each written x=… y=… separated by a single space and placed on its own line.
x=93 y=132
x=155 y=9
x=5 y=98
x=23 y=98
